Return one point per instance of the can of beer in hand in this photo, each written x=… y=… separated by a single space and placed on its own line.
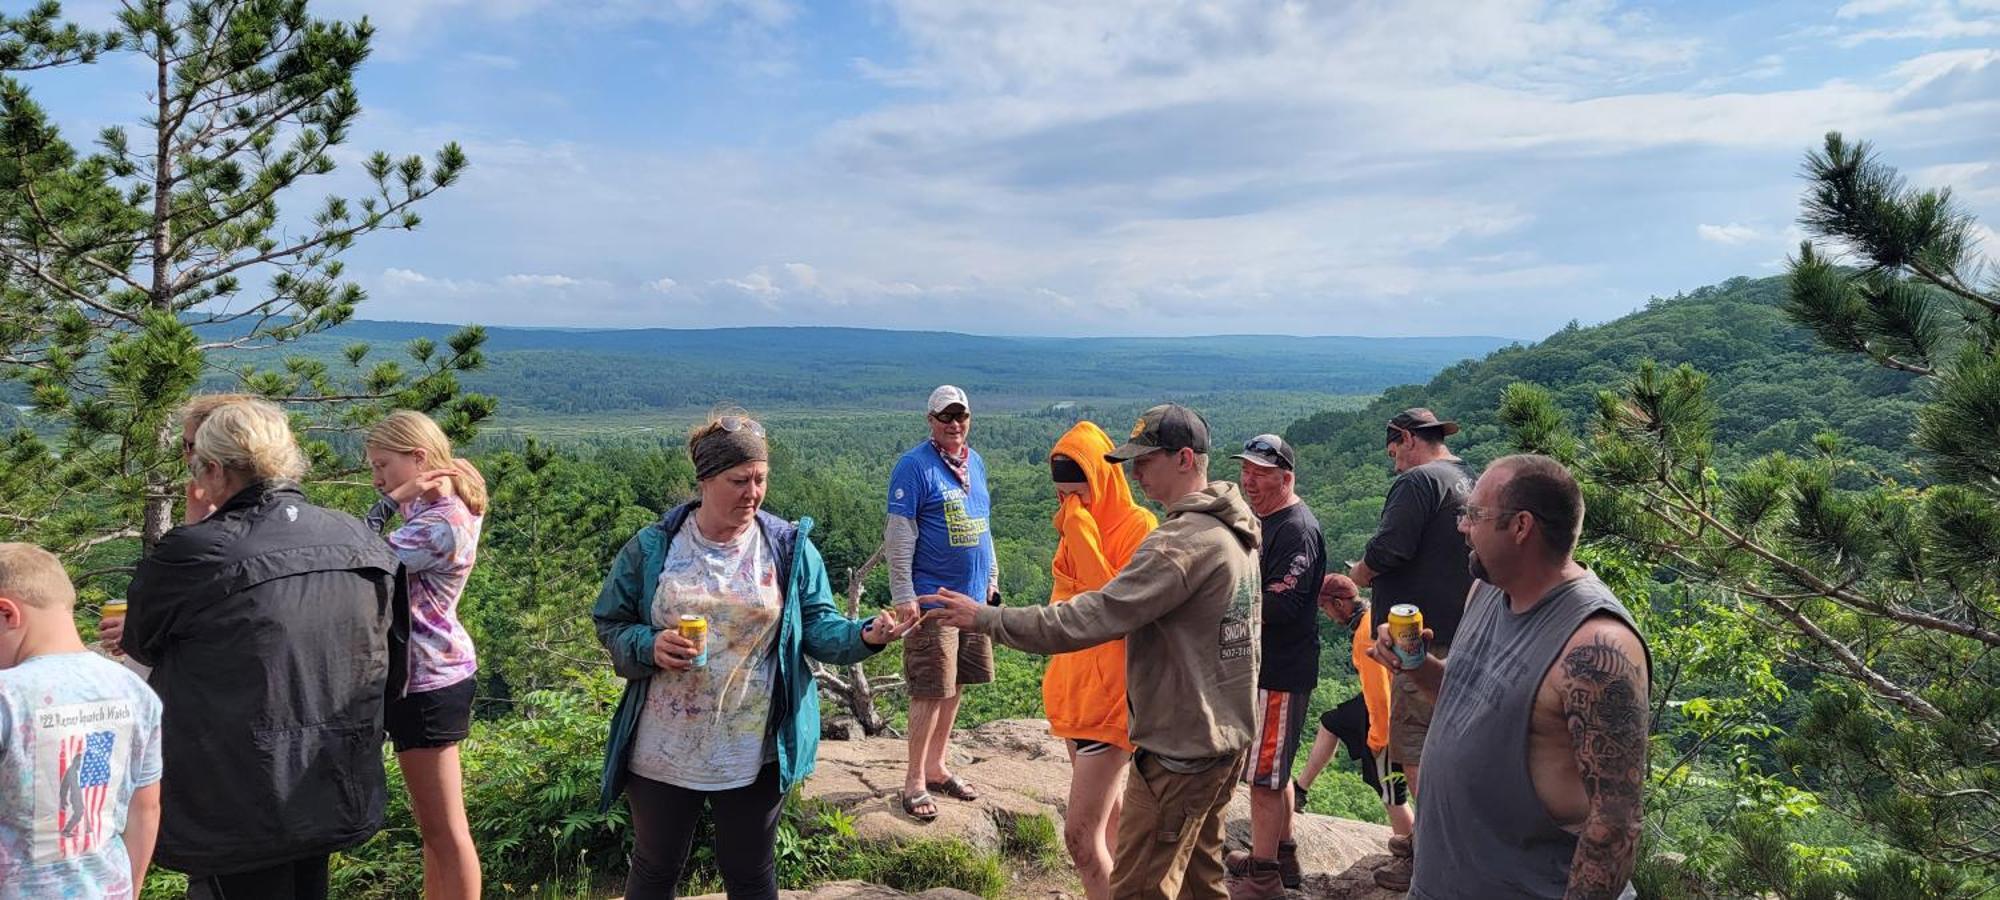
x=695 y=628
x=1406 y=635
x=113 y=609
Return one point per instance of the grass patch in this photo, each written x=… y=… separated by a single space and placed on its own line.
x=1034 y=839
x=918 y=867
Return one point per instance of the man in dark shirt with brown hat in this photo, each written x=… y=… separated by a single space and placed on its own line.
x=1417 y=556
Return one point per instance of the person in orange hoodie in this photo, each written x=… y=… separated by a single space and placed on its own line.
x=1084 y=692
x=1361 y=723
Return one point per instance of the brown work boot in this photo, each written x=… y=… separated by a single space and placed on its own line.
x=1399 y=846
x=1260 y=882
x=1236 y=862
x=1288 y=865
x=1395 y=876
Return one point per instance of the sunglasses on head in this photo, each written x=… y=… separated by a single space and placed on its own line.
x=733 y=424
x=1396 y=435
x=951 y=416
x=1261 y=445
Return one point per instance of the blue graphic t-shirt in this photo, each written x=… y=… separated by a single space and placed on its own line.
x=954 y=546
x=78 y=734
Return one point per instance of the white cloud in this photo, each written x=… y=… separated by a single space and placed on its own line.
x=1928 y=20
x=1859 y=8
x=1731 y=233
x=1370 y=167
x=405 y=27
x=540 y=281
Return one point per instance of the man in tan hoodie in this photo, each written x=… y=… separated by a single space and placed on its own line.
x=1187 y=606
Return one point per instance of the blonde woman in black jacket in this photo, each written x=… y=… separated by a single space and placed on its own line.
x=267 y=625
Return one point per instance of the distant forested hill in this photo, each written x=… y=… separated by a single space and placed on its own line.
x=1775 y=388
x=574 y=372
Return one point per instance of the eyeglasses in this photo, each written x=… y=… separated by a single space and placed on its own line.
x=951 y=417
x=733 y=424
x=1396 y=435
x=1471 y=513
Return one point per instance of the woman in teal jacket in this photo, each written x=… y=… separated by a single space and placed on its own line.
x=732 y=722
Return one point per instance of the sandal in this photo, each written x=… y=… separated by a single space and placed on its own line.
x=953 y=787
x=921 y=798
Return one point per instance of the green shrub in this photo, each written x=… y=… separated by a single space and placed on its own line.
x=531 y=784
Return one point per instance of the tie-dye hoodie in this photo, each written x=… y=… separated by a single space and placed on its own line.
x=437 y=543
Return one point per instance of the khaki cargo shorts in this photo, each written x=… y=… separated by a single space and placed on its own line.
x=1410 y=715
x=938 y=659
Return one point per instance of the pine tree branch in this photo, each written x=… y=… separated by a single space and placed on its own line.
x=1889 y=360
x=1859 y=670
x=1954 y=286
x=60 y=287
x=196 y=276
x=102 y=539
x=54 y=233
x=231 y=153
x=1834 y=591
x=1852 y=664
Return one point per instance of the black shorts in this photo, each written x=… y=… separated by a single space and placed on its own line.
x=1349 y=723
x=431 y=719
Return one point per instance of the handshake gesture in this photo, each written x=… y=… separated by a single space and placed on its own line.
x=674 y=651
x=951 y=608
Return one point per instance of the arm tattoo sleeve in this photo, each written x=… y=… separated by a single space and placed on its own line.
x=1605 y=704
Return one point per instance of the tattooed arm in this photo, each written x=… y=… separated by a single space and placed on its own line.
x=1604 y=684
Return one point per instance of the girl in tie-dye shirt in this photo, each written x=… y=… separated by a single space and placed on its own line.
x=441 y=499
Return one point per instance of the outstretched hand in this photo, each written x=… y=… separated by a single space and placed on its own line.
x=889 y=625
x=953 y=608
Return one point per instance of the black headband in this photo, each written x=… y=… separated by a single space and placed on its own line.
x=719 y=451
x=1063 y=470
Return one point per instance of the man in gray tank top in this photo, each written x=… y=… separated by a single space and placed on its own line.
x=1537 y=750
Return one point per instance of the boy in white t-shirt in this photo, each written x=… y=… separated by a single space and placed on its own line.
x=79 y=747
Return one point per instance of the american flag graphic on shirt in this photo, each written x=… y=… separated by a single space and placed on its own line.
x=85 y=773
x=81 y=769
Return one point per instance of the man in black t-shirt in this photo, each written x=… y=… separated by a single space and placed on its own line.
x=1293 y=557
x=1417 y=556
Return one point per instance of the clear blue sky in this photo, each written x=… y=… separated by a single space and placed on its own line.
x=1130 y=167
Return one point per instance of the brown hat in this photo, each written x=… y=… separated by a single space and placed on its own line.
x=1417 y=418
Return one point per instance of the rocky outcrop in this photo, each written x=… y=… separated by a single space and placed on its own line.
x=1020 y=770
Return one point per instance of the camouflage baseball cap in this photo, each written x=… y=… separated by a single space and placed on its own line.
x=1168 y=426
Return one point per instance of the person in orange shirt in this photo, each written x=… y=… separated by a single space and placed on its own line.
x=1084 y=691
x=1361 y=723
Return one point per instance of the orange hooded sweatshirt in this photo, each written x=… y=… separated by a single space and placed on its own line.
x=1374 y=680
x=1084 y=691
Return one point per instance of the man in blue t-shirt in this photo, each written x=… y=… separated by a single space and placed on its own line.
x=937 y=537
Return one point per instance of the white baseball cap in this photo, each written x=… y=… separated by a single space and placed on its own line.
x=947 y=396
